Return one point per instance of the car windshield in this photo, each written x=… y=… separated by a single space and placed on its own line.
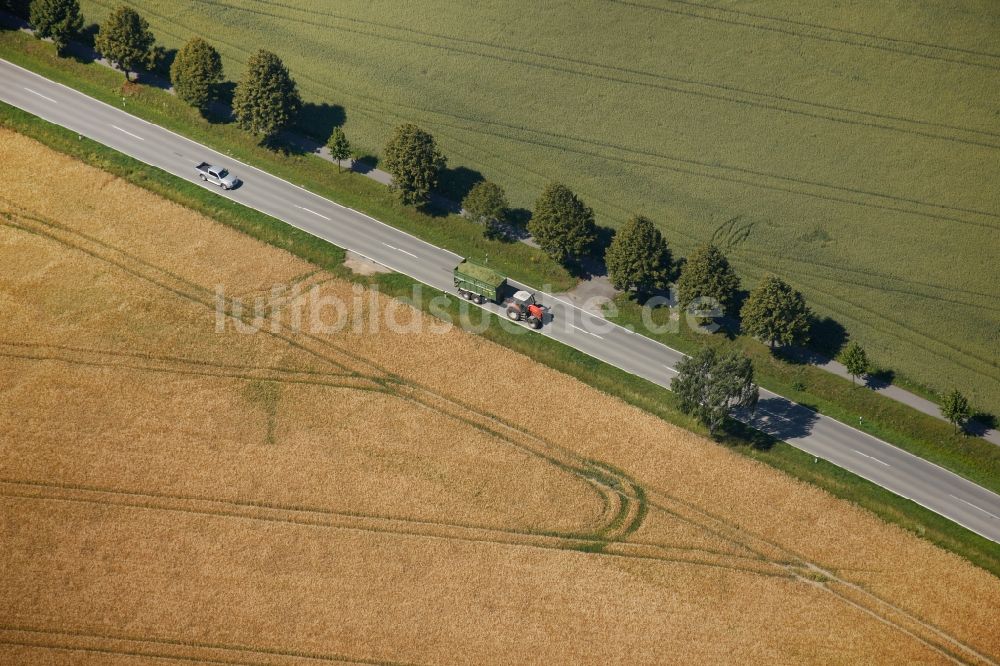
x=223 y=173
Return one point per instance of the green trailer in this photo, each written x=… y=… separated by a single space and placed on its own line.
x=478 y=283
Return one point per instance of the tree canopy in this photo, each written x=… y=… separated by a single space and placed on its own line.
x=855 y=359
x=340 y=147
x=486 y=203
x=561 y=224
x=710 y=384
x=707 y=275
x=776 y=313
x=195 y=71
x=413 y=159
x=266 y=99
x=124 y=39
x=956 y=409
x=638 y=257
x=59 y=20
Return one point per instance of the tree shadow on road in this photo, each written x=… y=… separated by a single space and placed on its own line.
x=778 y=419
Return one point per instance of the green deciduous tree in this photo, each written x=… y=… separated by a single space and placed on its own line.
x=413 y=159
x=266 y=99
x=562 y=225
x=707 y=275
x=710 y=384
x=638 y=257
x=956 y=409
x=776 y=313
x=195 y=72
x=486 y=203
x=855 y=359
x=59 y=20
x=124 y=39
x=340 y=147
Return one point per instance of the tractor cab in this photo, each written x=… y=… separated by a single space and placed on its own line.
x=524 y=298
x=523 y=307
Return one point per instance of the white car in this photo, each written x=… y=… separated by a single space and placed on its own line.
x=217 y=175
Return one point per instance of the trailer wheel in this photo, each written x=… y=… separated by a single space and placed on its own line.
x=467 y=295
x=513 y=314
x=479 y=299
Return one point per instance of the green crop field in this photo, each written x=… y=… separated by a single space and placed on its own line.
x=854 y=150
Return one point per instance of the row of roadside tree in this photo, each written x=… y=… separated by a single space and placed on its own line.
x=266 y=102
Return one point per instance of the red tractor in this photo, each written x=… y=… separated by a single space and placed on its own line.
x=522 y=307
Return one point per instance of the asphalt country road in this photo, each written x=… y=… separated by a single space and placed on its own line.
x=911 y=477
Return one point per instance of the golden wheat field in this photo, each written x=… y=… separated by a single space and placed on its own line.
x=176 y=490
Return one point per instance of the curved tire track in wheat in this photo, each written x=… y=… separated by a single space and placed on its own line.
x=314 y=517
x=110 y=644
x=355 y=366
x=798 y=565
x=627 y=518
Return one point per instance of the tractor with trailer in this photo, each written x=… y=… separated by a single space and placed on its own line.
x=478 y=283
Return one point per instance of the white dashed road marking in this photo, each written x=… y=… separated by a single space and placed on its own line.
x=35 y=92
x=872 y=458
x=977 y=507
x=312 y=211
x=134 y=136
x=583 y=330
x=391 y=247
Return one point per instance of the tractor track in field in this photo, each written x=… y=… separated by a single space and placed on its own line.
x=688 y=169
x=822 y=112
x=622 y=515
x=788 y=564
x=628 y=70
x=991 y=60
x=627 y=501
x=155 y=647
x=388 y=526
x=743 y=175
x=837 y=303
x=827 y=579
x=857 y=275
x=987 y=367
x=117 y=360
